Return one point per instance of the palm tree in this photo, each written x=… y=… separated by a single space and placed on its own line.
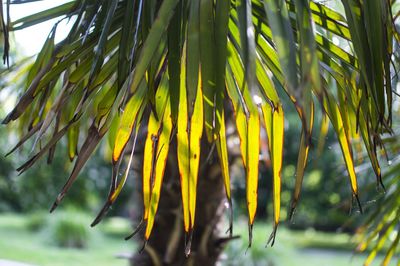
x=380 y=227
x=180 y=68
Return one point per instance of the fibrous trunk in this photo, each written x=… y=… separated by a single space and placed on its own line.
x=166 y=245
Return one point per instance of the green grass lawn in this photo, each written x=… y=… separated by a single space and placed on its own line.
x=20 y=244
x=105 y=242
x=293 y=248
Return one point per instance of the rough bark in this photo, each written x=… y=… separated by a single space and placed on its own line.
x=166 y=244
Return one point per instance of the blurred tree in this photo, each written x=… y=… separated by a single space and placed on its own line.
x=32 y=191
x=8 y=193
x=172 y=66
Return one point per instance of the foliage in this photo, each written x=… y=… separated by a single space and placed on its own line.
x=380 y=230
x=34 y=190
x=18 y=243
x=306 y=247
x=323 y=180
x=67 y=232
x=8 y=192
x=36 y=221
x=117 y=227
x=162 y=62
x=293 y=248
x=60 y=229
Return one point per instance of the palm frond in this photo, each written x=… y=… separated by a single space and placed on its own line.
x=178 y=57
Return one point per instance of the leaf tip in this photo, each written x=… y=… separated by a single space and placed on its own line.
x=230 y=228
x=291 y=213
x=143 y=246
x=188 y=242
x=57 y=202
x=137 y=229
x=293 y=208
x=53 y=207
x=271 y=239
x=101 y=214
x=380 y=184
x=6 y=120
x=250 y=236
x=358 y=203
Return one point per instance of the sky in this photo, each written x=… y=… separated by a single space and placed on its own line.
x=29 y=41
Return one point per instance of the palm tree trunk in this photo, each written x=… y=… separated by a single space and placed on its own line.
x=166 y=244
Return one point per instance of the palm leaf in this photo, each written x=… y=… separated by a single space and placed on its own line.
x=167 y=60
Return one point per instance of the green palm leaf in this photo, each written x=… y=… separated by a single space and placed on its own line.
x=130 y=55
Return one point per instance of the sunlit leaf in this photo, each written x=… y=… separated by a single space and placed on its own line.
x=127 y=121
x=161 y=153
x=167 y=66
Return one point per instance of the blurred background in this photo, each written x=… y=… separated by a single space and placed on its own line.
x=322 y=232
